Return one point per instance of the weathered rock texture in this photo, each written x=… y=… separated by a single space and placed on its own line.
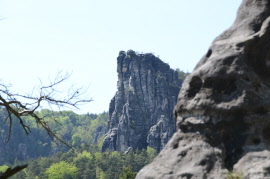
x=223 y=109
x=100 y=131
x=141 y=112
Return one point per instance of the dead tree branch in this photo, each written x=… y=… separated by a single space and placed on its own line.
x=19 y=105
x=12 y=171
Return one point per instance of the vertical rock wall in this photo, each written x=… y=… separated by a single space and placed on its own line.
x=223 y=109
x=141 y=112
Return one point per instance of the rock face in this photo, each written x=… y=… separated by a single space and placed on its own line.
x=20 y=148
x=21 y=152
x=141 y=112
x=223 y=109
x=100 y=131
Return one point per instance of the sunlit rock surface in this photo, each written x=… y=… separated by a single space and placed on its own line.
x=141 y=112
x=223 y=109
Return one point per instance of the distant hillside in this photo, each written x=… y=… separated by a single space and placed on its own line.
x=78 y=130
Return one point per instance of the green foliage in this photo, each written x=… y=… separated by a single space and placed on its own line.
x=35 y=169
x=62 y=170
x=233 y=175
x=76 y=139
x=84 y=154
x=114 y=163
x=132 y=124
x=127 y=173
x=3 y=168
x=22 y=174
x=100 y=174
x=100 y=142
x=131 y=89
x=77 y=130
x=86 y=164
x=181 y=74
x=151 y=153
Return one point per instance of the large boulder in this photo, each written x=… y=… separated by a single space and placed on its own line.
x=223 y=109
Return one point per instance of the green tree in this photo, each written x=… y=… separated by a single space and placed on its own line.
x=114 y=163
x=43 y=164
x=76 y=139
x=100 y=142
x=100 y=174
x=33 y=169
x=89 y=172
x=3 y=168
x=151 y=153
x=68 y=156
x=181 y=74
x=140 y=161
x=84 y=154
x=62 y=169
x=22 y=175
x=19 y=105
x=85 y=164
x=127 y=173
x=130 y=159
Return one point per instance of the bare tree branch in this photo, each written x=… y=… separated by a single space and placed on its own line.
x=12 y=171
x=19 y=105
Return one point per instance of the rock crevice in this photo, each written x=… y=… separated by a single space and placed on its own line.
x=223 y=108
x=141 y=110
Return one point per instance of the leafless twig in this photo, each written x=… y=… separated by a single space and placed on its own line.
x=19 y=105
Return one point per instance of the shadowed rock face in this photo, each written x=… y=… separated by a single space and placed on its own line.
x=223 y=109
x=100 y=131
x=141 y=112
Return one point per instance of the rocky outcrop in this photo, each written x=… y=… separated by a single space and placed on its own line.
x=20 y=148
x=223 y=109
x=22 y=152
x=100 y=131
x=141 y=110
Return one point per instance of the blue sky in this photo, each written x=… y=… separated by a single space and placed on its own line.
x=39 y=38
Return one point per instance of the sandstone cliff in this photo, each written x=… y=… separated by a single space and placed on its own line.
x=223 y=109
x=141 y=112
